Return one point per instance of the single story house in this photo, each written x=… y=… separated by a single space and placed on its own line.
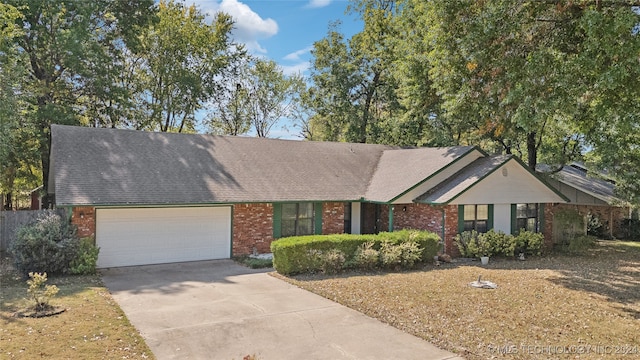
x=163 y=197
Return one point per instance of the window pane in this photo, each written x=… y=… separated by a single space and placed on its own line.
x=288 y=228
x=481 y=226
x=469 y=212
x=305 y=227
x=305 y=211
x=468 y=225
x=531 y=224
x=521 y=224
x=289 y=211
x=532 y=211
x=522 y=211
x=483 y=212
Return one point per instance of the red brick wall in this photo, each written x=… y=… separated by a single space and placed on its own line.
x=84 y=217
x=252 y=228
x=333 y=218
x=424 y=217
x=451 y=230
x=610 y=216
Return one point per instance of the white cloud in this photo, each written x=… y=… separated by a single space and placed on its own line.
x=295 y=56
x=295 y=69
x=318 y=3
x=249 y=27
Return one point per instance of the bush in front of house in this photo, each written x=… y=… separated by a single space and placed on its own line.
x=49 y=244
x=528 y=242
x=497 y=243
x=366 y=257
x=86 y=259
x=313 y=253
x=580 y=244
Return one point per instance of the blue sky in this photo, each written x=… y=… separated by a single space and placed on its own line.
x=283 y=30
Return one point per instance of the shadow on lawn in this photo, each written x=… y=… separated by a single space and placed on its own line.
x=611 y=269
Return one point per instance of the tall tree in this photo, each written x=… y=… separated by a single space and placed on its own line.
x=353 y=91
x=271 y=95
x=18 y=151
x=228 y=113
x=515 y=70
x=65 y=42
x=182 y=59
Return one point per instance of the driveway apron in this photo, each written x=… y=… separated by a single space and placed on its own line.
x=221 y=310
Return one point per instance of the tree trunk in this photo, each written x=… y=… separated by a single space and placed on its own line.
x=532 y=151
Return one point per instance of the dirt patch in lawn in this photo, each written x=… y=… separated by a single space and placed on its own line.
x=92 y=326
x=557 y=306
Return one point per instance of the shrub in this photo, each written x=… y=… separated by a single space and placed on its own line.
x=301 y=254
x=498 y=243
x=366 y=257
x=480 y=246
x=595 y=227
x=48 y=245
x=427 y=241
x=631 y=229
x=390 y=254
x=410 y=254
x=331 y=261
x=581 y=243
x=529 y=242
x=39 y=292
x=463 y=240
x=86 y=259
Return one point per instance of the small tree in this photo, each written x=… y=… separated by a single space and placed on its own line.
x=39 y=292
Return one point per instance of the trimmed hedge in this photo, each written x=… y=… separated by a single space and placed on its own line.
x=300 y=254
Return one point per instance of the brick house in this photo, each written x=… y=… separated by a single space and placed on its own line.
x=159 y=197
x=589 y=196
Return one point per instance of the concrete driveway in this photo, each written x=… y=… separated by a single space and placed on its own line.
x=221 y=310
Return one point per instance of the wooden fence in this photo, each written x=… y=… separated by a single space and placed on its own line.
x=11 y=221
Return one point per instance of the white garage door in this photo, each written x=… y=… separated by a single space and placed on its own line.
x=162 y=235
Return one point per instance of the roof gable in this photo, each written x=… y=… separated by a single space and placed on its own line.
x=493 y=180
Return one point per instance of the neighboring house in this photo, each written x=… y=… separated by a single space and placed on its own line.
x=160 y=197
x=36 y=198
x=590 y=197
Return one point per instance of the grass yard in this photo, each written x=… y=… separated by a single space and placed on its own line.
x=557 y=306
x=91 y=327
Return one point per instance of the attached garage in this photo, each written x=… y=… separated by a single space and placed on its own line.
x=141 y=236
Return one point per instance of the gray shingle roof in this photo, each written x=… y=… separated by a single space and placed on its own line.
x=463 y=179
x=598 y=188
x=120 y=167
x=401 y=169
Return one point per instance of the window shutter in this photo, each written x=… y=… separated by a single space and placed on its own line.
x=460 y=219
x=514 y=218
x=317 y=217
x=277 y=221
x=490 y=217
